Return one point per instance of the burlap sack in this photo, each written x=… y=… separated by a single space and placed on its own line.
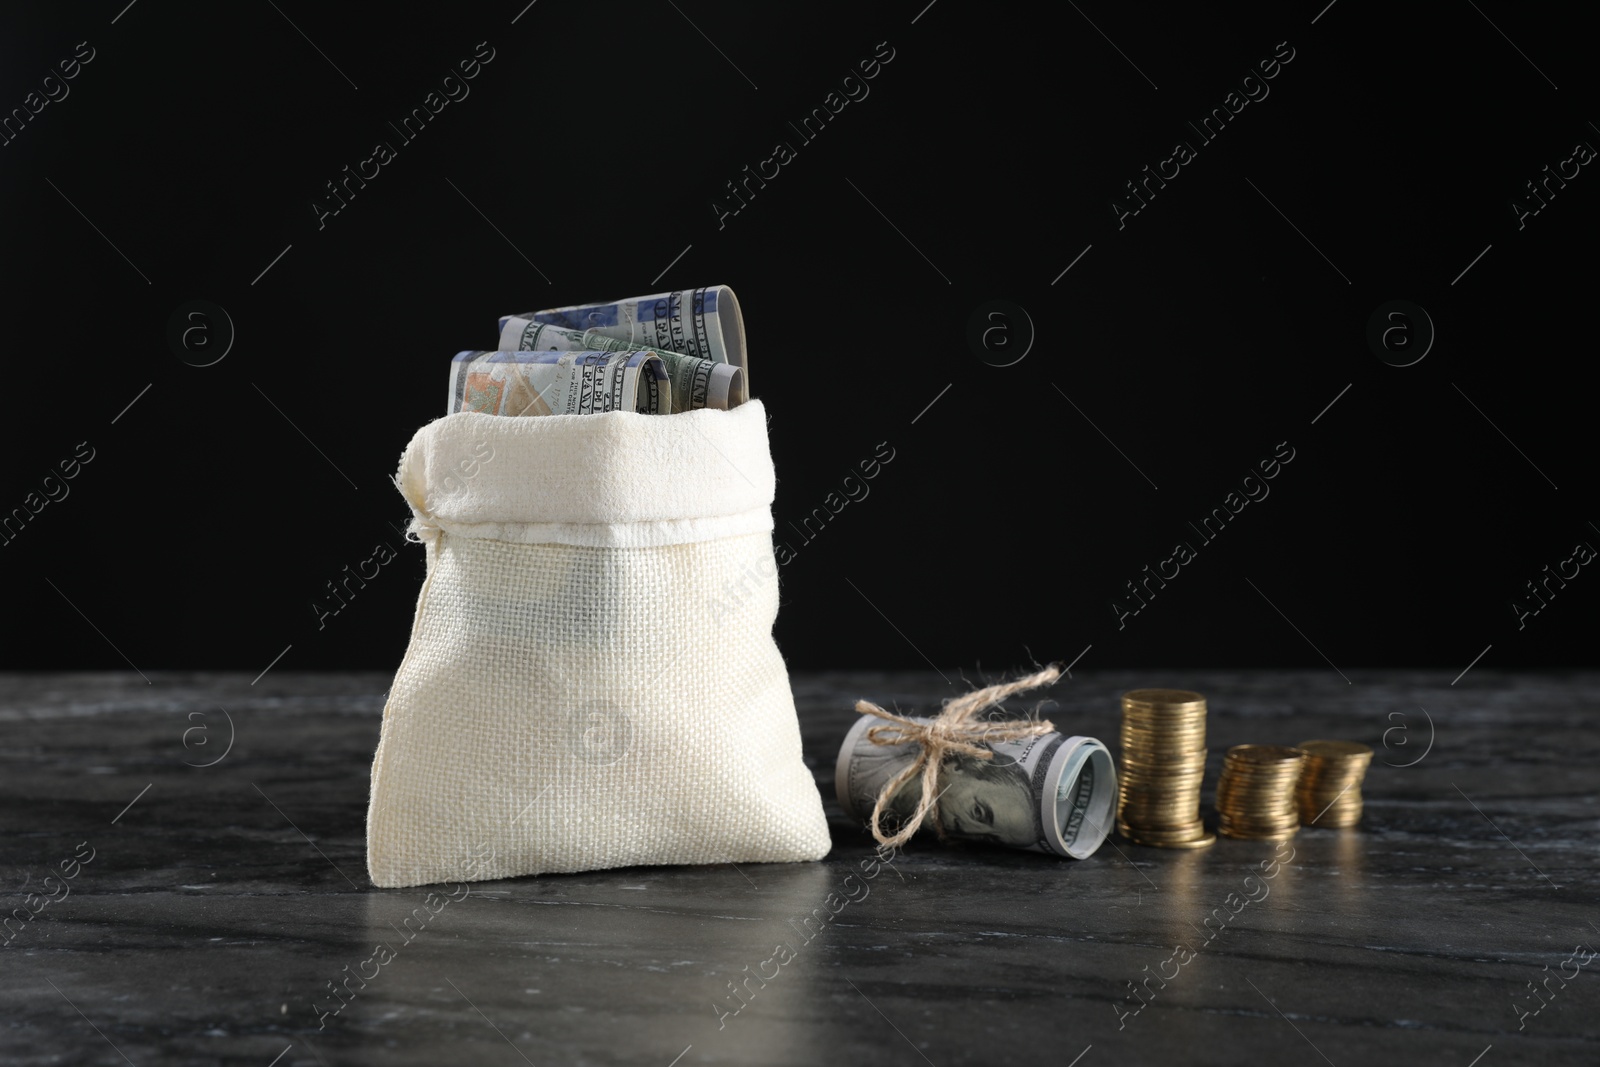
x=591 y=680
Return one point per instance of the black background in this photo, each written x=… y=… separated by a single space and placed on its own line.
x=1196 y=338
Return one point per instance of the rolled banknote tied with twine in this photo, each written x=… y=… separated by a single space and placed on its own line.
x=956 y=731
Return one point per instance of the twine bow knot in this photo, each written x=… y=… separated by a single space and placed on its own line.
x=956 y=731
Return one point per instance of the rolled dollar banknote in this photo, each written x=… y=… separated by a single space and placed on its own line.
x=696 y=382
x=559 y=383
x=1045 y=793
x=697 y=322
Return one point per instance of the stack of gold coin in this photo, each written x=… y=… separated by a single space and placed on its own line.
x=1163 y=761
x=1330 y=782
x=1256 y=794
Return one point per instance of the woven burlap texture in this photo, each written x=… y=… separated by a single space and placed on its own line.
x=591 y=680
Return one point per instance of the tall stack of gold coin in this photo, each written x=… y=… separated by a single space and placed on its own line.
x=1330 y=782
x=1256 y=794
x=1163 y=762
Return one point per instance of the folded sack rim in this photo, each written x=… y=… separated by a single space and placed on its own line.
x=559 y=478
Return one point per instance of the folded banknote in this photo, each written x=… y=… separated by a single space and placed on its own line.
x=559 y=383
x=702 y=322
x=696 y=382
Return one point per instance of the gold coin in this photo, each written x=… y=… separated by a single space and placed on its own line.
x=1164 y=699
x=1157 y=734
x=1201 y=841
x=1164 y=761
x=1242 y=836
x=1335 y=750
x=1162 y=835
x=1333 y=815
x=1264 y=754
x=1163 y=727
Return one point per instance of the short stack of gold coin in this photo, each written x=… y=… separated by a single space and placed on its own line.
x=1330 y=782
x=1256 y=794
x=1163 y=762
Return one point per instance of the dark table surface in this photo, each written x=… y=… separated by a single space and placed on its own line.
x=221 y=900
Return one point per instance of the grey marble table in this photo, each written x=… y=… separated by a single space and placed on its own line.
x=213 y=904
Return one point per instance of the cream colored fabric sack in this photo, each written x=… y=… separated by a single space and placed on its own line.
x=591 y=680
